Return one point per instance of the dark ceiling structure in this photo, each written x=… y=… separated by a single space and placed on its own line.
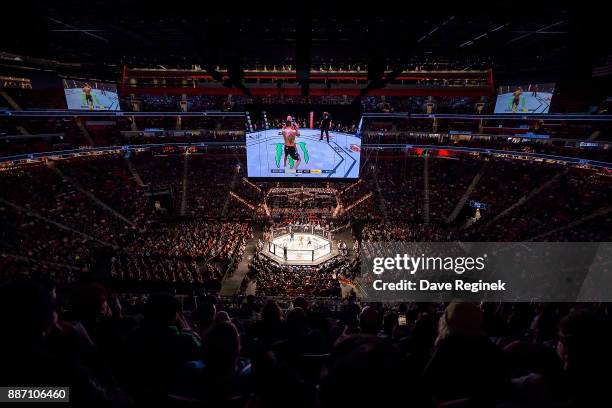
x=540 y=42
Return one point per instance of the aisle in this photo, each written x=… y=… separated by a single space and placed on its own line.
x=231 y=284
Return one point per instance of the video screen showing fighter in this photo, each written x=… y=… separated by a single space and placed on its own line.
x=315 y=151
x=531 y=98
x=90 y=95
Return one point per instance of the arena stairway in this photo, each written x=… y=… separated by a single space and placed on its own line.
x=527 y=197
x=382 y=204
x=467 y=193
x=185 y=186
x=426 y=189
x=597 y=213
x=89 y=194
x=84 y=130
x=231 y=282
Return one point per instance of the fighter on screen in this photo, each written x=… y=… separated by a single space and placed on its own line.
x=290 y=133
x=294 y=123
x=517 y=98
x=88 y=97
x=295 y=151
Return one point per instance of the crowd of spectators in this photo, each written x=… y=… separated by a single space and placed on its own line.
x=42 y=191
x=16 y=267
x=240 y=351
x=172 y=103
x=61 y=214
x=187 y=252
x=221 y=352
x=137 y=268
x=210 y=180
x=400 y=186
x=403 y=232
x=566 y=199
x=108 y=177
x=425 y=104
x=338 y=124
x=290 y=201
x=358 y=198
x=23 y=235
x=505 y=182
x=374 y=135
x=34 y=135
x=197 y=240
x=274 y=279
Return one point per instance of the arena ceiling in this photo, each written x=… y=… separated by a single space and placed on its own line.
x=539 y=41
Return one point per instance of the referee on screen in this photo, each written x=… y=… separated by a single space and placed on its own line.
x=325 y=125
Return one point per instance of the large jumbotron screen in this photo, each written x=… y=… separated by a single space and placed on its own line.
x=90 y=95
x=269 y=156
x=532 y=98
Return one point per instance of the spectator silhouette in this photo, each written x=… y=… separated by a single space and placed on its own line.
x=465 y=363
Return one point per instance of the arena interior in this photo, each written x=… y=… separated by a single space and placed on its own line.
x=185 y=194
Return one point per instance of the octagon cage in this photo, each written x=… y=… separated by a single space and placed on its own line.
x=300 y=243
